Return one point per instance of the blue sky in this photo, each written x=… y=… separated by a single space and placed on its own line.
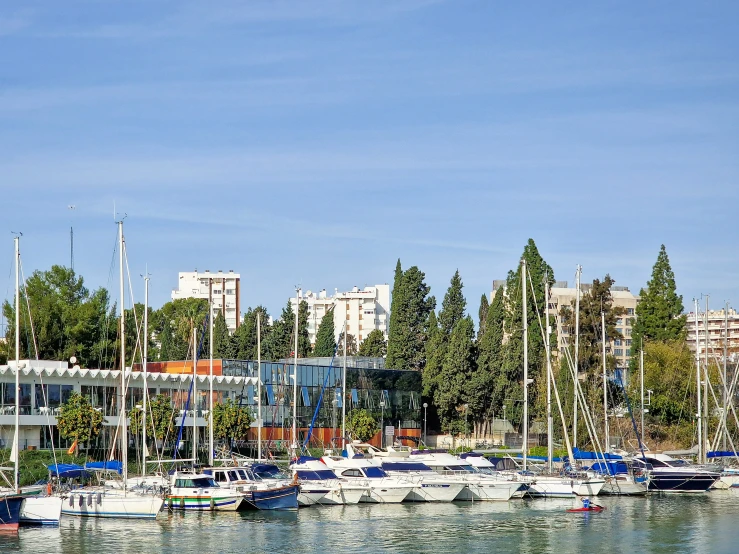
x=315 y=143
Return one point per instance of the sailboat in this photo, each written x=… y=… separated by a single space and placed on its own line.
x=33 y=508
x=105 y=501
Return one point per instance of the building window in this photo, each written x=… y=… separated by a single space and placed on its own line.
x=230 y=291
x=628 y=342
x=617 y=342
x=630 y=311
x=216 y=291
x=628 y=351
x=618 y=352
x=628 y=332
x=620 y=321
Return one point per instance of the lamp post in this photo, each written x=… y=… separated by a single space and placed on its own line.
x=425 y=405
x=382 y=423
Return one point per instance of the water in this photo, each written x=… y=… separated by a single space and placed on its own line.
x=702 y=523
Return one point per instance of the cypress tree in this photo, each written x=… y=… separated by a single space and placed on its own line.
x=374 y=346
x=457 y=369
x=659 y=314
x=482 y=315
x=453 y=305
x=396 y=334
x=325 y=343
x=221 y=338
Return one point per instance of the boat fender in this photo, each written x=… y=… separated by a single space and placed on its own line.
x=82 y=501
x=71 y=498
x=48 y=485
x=100 y=495
x=89 y=496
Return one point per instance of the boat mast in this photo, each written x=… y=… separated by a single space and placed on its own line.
x=726 y=397
x=525 y=367
x=343 y=391
x=705 y=384
x=550 y=440
x=122 y=406
x=16 y=442
x=295 y=376
x=194 y=396
x=641 y=377
x=210 y=390
x=698 y=382
x=578 y=270
x=145 y=364
x=259 y=384
x=605 y=380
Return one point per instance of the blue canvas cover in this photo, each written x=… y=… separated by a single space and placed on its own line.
x=112 y=465
x=69 y=471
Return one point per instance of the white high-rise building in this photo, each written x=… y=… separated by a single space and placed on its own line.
x=363 y=310
x=223 y=289
x=723 y=330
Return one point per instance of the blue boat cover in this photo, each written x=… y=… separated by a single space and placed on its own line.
x=582 y=455
x=405 y=466
x=722 y=454
x=611 y=468
x=71 y=471
x=316 y=475
x=467 y=454
x=112 y=465
x=303 y=459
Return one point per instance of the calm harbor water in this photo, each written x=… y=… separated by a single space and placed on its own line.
x=705 y=523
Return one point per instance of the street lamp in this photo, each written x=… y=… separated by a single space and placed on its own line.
x=382 y=423
x=425 y=405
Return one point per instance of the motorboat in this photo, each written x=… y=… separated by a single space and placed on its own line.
x=382 y=487
x=669 y=475
x=483 y=465
x=269 y=474
x=191 y=491
x=430 y=486
x=312 y=473
x=256 y=492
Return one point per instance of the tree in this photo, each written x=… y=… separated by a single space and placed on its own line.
x=374 y=345
x=456 y=371
x=245 y=336
x=78 y=420
x=482 y=314
x=167 y=346
x=325 y=342
x=351 y=345
x=280 y=341
x=361 y=425
x=659 y=314
x=231 y=421
x=223 y=347
x=159 y=418
x=453 y=305
x=410 y=309
x=176 y=320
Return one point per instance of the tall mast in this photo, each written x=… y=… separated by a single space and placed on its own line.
x=698 y=383
x=726 y=345
x=525 y=367
x=641 y=376
x=210 y=390
x=577 y=353
x=550 y=439
x=16 y=441
x=122 y=405
x=259 y=384
x=145 y=364
x=194 y=396
x=295 y=376
x=605 y=380
x=343 y=389
x=705 y=384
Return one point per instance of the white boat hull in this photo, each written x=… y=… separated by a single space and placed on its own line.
x=90 y=503
x=41 y=510
x=308 y=496
x=624 y=487
x=435 y=492
x=339 y=496
x=486 y=491
x=563 y=487
x=384 y=494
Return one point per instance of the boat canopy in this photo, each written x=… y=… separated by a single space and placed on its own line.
x=583 y=455
x=111 y=465
x=611 y=468
x=502 y=464
x=70 y=471
x=303 y=459
x=405 y=466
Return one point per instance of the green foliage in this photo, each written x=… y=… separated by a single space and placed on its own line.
x=410 y=309
x=456 y=372
x=325 y=343
x=231 y=421
x=453 y=305
x=542 y=451
x=482 y=314
x=351 y=345
x=279 y=344
x=174 y=323
x=159 y=418
x=486 y=390
x=68 y=320
x=78 y=420
x=223 y=346
x=374 y=345
x=245 y=336
x=360 y=425
x=659 y=313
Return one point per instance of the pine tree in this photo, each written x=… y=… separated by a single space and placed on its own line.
x=304 y=347
x=374 y=346
x=482 y=314
x=325 y=343
x=457 y=369
x=453 y=305
x=435 y=352
x=351 y=345
x=165 y=337
x=659 y=314
x=279 y=342
x=411 y=306
x=245 y=336
x=221 y=339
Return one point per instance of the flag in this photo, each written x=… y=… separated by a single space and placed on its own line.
x=72 y=448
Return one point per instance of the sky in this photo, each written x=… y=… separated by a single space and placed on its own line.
x=315 y=143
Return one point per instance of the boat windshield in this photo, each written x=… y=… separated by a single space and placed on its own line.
x=466 y=469
x=264 y=471
x=486 y=470
x=195 y=483
x=374 y=472
x=317 y=475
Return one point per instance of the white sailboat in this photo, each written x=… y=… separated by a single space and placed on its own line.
x=36 y=509
x=105 y=501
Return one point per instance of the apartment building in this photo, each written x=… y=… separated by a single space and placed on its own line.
x=723 y=329
x=222 y=289
x=363 y=310
x=561 y=294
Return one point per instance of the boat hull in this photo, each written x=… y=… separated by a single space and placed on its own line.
x=555 y=487
x=41 y=510
x=680 y=482
x=434 y=492
x=10 y=512
x=103 y=504
x=203 y=503
x=384 y=494
x=340 y=496
x=281 y=498
x=500 y=491
x=624 y=487
x=309 y=496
